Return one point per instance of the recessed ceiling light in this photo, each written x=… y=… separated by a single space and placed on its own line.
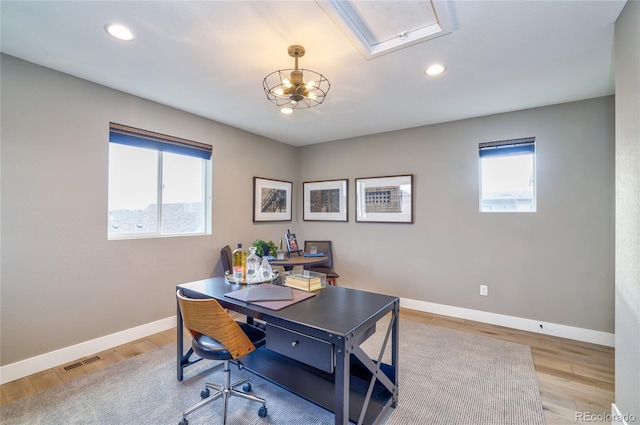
x=119 y=31
x=436 y=69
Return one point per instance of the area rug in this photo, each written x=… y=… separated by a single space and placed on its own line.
x=446 y=377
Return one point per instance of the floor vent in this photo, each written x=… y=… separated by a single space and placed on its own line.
x=72 y=366
x=76 y=365
x=91 y=360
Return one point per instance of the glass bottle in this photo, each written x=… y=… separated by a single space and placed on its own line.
x=239 y=264
x=253 y=266
x=265 y=269
x=280 y=253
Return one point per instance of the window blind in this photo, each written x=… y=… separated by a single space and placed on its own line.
x=131 y=136
x=507 y=147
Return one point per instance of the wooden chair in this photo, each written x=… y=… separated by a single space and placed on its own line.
x=325 y=267
x=217 y=336
x=227 y=260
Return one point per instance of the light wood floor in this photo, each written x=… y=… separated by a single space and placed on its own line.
x=572 y=376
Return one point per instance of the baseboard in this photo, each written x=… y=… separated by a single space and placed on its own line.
x=537 y=326
x=27 y=367
x=618 y=418
x=56 y=358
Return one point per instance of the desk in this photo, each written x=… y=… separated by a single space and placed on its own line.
x=345 y=381
x=299 y=261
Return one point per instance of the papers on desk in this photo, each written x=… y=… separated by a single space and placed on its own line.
x=265 y=292
x=273 y=297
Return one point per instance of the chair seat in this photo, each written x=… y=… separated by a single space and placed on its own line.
x=208 y=348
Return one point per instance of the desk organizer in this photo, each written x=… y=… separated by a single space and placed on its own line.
x=306 y=280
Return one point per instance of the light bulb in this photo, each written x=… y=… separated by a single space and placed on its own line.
x=436 y=69
x=119 y=31
x=311 y=85
x=312 y=96
x=278 y=92
x=286 y=110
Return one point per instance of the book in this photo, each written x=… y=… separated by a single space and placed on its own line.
x=304 y=286
x=306 y=280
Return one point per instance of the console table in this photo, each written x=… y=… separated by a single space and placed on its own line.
x=313 y=348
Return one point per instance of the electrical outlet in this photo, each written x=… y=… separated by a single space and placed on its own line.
x=484 y=290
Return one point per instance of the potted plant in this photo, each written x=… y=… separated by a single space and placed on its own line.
x=264 y=248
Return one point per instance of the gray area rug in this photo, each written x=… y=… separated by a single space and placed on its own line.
x=446 y=377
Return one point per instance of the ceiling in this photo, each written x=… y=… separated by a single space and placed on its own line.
x=210 y=58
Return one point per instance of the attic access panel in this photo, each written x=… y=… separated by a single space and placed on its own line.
x=380 y=27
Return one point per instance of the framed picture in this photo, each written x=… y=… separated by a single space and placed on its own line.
x=325 y=200
x=271 y=200
x=385 y=199
x=292 y=243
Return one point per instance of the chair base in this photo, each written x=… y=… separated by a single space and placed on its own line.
x=225 y=391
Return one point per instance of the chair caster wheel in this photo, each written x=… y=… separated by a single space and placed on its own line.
x=183 y=422
x=262 y=412
x=203 y=394
x=246 y=387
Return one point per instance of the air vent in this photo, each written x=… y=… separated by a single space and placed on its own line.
x=72 y=366
x=81 y=363
x=91 y=360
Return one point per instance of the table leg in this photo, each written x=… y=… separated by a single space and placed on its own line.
x=179 y=342
x=182 y=359
x=342 y=376
x=395 y=343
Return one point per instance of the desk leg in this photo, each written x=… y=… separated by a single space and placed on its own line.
x=342 y=374
x=395 y=343
x=182 y=360
x=179 y=342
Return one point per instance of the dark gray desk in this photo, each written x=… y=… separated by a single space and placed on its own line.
x=313 y=348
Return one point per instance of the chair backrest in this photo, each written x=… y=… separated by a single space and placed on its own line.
x=227 y=259
x=207 y=317
x=323 y=247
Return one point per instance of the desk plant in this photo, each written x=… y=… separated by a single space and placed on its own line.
x=264 y=248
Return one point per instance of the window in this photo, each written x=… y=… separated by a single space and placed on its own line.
x=507 y=176
x=158 y=185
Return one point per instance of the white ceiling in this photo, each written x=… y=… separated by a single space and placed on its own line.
x=210 y=57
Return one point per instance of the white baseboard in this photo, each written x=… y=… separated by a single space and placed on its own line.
x=56 y=358
x=27 y=367
x=618 y=418
x=554 y=329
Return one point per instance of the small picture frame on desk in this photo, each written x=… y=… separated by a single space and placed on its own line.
x=292 y=244
x=272 y=200
x=325 y=200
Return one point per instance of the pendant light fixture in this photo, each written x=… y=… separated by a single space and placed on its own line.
x=295 y=88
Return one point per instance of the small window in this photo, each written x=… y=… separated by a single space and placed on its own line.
x=508 y=176
x=158 y=185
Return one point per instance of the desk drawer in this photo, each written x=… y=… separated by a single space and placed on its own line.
x=300 y=347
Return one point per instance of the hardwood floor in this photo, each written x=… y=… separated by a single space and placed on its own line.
x=573 y=376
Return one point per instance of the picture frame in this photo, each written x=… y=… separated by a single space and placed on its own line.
x=272 y=200
x=292 y=243
x=326 y=200
x=387 y=199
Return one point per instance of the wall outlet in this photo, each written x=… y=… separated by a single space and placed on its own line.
x=484 y=290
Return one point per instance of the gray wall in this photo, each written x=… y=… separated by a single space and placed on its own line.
x=63 y=282
x=627 y=51
x=556 y=265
